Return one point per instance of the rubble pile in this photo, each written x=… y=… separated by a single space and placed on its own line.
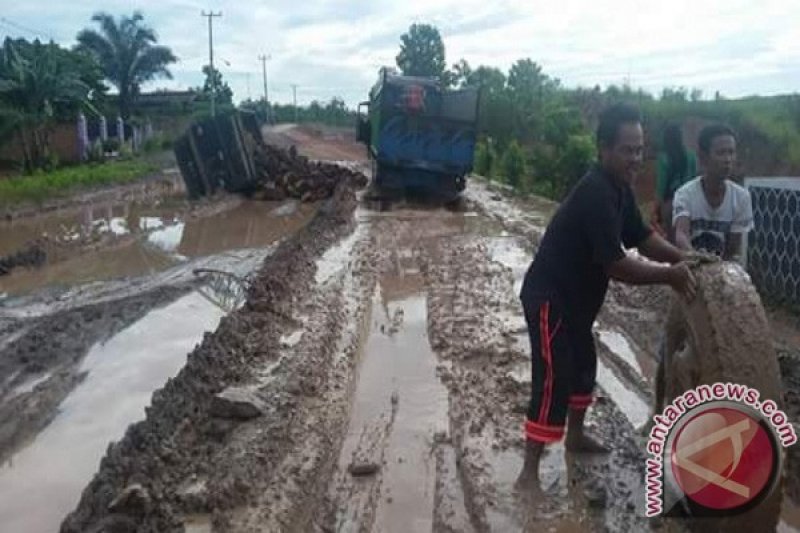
x=284 y=173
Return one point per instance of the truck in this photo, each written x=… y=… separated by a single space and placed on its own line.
x=420 y=136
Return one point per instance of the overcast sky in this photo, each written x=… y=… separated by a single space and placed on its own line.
x=334 y=48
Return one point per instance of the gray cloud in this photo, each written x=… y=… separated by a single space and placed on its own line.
x=334 y=47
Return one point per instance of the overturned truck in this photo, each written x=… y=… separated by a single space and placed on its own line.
x=227 y=152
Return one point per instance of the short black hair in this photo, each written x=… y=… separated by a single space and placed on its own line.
x=711 y=132
x=611 y=119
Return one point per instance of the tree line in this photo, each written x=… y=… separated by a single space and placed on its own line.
x=334 y=112
x=537 y=135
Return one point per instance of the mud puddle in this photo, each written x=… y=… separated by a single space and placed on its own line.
x=43 y=481
x=129 y=240
x=555 y=509
x=399 y=411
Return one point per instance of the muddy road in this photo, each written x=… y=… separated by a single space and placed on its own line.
x=372 y=375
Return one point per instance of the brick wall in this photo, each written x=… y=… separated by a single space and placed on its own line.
x=63 y=143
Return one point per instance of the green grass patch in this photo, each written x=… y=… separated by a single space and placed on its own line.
x=40 y=186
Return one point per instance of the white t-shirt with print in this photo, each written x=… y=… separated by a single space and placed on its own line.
x=709 y=226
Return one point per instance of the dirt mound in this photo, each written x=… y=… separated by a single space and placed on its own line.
x=32 y=255
x=284 y=173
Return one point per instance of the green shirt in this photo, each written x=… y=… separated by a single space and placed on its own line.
x=665 y=187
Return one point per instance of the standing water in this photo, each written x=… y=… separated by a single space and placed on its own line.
x=43 y=482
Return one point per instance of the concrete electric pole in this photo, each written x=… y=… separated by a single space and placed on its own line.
x=294 y=99
x=264 y=58
x=211 y=16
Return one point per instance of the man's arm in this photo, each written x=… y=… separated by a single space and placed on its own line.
x=681 y=219
x=682 y=229
x=657 y=248
x=636 y=272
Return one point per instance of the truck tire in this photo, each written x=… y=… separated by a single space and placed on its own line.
x=723 y=336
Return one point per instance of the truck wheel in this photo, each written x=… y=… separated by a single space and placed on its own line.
x=723 y=336
x=457 y=204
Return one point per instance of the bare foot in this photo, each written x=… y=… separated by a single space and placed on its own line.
x=583 y=443
x=528 y=477
x=527 y=487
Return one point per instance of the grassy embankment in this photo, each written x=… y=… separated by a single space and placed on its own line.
x=40 y=186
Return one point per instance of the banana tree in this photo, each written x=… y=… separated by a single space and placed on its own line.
x=35 y=81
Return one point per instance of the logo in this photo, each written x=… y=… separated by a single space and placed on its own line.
x=724 y=458
x=414 y=98
x=715 y=450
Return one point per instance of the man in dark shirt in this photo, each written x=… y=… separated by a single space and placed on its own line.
x=566 y=284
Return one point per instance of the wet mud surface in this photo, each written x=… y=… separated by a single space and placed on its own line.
x=372 y=374
x=101 y=242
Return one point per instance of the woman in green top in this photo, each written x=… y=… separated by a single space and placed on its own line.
x=676 y=166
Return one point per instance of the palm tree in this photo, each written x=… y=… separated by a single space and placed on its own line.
x=128 y=53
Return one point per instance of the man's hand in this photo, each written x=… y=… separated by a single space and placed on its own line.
x=694 y=257
x=682 y=280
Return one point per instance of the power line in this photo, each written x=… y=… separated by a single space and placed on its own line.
x=211 y=16
x=17 y=26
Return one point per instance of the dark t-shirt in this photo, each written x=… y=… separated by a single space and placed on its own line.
x=584 y=237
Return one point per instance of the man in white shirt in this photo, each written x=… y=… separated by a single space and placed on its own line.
x=711 y=213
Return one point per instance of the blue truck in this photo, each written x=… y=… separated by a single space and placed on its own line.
x=420 y=136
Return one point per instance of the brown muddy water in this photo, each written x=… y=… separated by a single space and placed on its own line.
x=398 y=385
x=141 y=239
x=42 y=482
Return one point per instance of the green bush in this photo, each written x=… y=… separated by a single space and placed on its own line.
x=512 y=165
x=573 y=162
x=157 y=142
x=111 y=145
x=126 y=150
x=485 y=158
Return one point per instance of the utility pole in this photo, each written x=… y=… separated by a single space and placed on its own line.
x=211 y=16
x=294 y=98
x=248 y=87
x=264 y=58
